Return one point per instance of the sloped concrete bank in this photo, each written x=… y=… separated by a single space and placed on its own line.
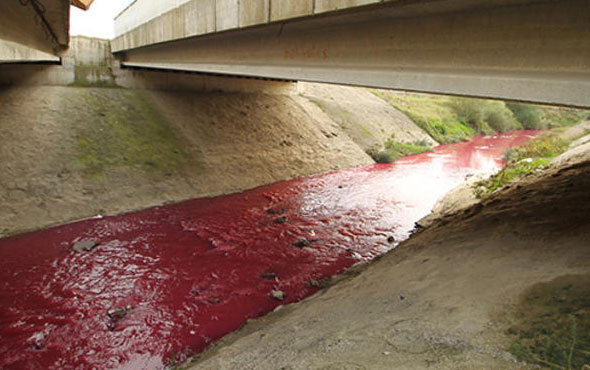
x=451 y=297
x=68 y=153
x=86 y=137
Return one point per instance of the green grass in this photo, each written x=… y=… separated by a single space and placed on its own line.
x=395 y=150
x=452 y=119
x=126 y=132
x=530 y=116
x=551 y=325
x=523 y=160
x=431 y=113
x=484 y=116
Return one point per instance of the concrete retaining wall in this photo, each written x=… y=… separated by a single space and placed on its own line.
x=148 y=22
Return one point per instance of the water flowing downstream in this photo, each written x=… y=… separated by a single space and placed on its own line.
x=159 y=285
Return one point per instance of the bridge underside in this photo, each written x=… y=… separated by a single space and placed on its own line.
x=536 y=51
x=28 y=27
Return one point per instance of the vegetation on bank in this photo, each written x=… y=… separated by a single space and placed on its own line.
x=127 y=132
x=394 y=150
x=431 y=113
x=454 y=119
x=521 y=161
x=551 y=325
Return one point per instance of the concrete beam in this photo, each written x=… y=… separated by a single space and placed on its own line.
x=144 y=22
x=322 y=6
x=253 y=12
x=39 y=24
x=11 y=52
x=82 y=4
x=281 y=9
x=226 y=12
x=538 y=52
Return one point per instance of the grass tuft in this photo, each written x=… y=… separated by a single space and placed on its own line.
x=551 y=324
x=521 y=161
x=395 y=150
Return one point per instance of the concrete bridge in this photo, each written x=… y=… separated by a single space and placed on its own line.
x=35 y=30
x=526 y=50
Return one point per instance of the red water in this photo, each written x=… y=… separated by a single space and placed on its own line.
x=186 y=274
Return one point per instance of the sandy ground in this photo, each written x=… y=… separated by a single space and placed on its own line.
x=441 y=300
x=456 y=200
x=69 y=153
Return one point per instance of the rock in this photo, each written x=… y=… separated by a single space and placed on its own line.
x=314 y=284
x=280 y=220
x=84 y=246
x=279 y=295
x=213 y=301
x=116 y=314
x=268 y=276
x=37 y=341
x=302 y=243
x=458 y=199
x=271 y=211
x=578 y=154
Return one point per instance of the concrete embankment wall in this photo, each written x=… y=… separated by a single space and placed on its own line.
x=69 y=152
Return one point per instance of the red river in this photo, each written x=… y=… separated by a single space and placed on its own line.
x=164 y=283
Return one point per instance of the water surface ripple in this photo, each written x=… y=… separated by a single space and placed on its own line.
x=165 y=282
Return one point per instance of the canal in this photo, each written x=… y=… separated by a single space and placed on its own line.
x=151 y=288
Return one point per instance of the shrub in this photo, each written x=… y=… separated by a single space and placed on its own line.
x=533 y=156
x=546 y=146
x=383 y=156
x=485 y=116
x=529 y=116
x=431 y=113
x=395 y=150
x=423 y=142
x=499 y=118
x=398 y=149
x=469 y=110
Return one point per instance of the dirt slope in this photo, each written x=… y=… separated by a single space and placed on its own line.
x=68 y=153
x=445 y=298
x=368 y=120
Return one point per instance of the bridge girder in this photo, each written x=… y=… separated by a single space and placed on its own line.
x=536 y=51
